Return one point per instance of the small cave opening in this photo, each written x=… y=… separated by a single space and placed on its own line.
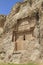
x=37 y=16
x=24 y=37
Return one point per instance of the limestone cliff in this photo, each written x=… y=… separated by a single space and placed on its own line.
x=22 y=37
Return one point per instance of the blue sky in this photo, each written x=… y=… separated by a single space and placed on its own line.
x=6 y=5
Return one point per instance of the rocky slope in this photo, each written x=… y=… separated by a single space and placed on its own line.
x=29 y=11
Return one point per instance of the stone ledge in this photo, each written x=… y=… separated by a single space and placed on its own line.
x=19 y=52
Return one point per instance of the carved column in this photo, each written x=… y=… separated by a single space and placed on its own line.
x=15 y=41
x=16 y=36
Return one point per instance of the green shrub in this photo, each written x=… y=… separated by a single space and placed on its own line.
x=17 y=64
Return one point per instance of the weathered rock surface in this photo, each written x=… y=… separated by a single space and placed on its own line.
x=2 y=22
x=21 y=39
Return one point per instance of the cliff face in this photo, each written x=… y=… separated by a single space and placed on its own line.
x=22 y=37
